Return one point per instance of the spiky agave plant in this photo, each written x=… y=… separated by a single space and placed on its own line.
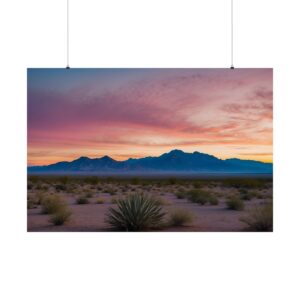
x=137 y=212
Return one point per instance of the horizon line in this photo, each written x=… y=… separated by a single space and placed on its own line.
x=78 y=157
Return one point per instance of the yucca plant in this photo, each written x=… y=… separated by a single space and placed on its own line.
x=137 y=212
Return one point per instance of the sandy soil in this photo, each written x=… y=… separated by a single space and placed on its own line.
x=91 y=217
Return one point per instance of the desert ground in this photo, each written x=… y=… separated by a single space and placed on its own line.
x=204 y=205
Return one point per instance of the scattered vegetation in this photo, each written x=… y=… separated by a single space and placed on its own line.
x=137 y=212
x=248 y=183
x=201 y=197
x=213 y=201
x=100 y=201
x=260 y=218
x=181 y=193
x=82 y=200
x=235 y=203
x=51 y=204
x=180 y=217
x=60 y=187
x=61 y=216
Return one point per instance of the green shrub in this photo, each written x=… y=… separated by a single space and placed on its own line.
x=181 y=193
x=135 y=180
x=39 y=197
x=245 y=182
x=88 y=194
x=172 y=181
x=235 y=204
x=34 y=179
x=110 y=191
x=213 y=201
x=51 y=204
x=260 y=218
x=61 y=216
x=200 y=196
x=31 y=203
x=180 y=217
x=135 y=213
x=64 y=180
x=60 y=187
x=198 y=184
x=100 y=201
x=93 y=180
x=82 y=200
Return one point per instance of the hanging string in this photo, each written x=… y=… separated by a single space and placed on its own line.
x=232 y=67
x=68 y=35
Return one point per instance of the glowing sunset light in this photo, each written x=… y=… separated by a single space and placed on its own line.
x=133 y=113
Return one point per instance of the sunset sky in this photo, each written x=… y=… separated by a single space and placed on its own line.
x=134 y=113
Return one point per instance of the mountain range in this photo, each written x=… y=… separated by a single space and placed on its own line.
x=173 y=161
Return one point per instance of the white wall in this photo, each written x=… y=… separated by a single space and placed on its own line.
x=156 y=33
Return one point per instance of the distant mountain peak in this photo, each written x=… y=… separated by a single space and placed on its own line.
x=107 y=158
x=81 y=158
x=176 y=151
x=174 y=161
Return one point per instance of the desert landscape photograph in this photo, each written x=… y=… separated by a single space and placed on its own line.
x=151 y=150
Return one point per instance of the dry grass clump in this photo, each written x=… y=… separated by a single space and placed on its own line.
x=31 y=202
x=100 y=201
x=82 y=200
x=180 y=217
x=181 y=193
x=235 y=203
x=162 y=201
x=57 y=208
x=61 y=216
x=213 y=201
x=137 y=212
x=260 y=218
x=201 y=197
x=51 y=204
x=110 y=190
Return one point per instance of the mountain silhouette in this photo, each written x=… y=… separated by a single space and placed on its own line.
x=173 y=161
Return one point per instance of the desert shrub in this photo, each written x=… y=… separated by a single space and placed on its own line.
x=64 y=180
x=110 y=191
x=100 y=201
x=61 y=216
x=172 y=181
x=197 y=184
x=260 y=218
x=200 y=196
x=34 y=179
x=181 y=193
x=136 y=212
x=82 y=200
x=135 y=180
x=39 y=197
x=213 y=200
x=88 y=194
x=180 y=217
x=245 y=182
x=51 y=204
x=29 y=186
x=31 y=202
x=235 y=203
x=60 y=187
x=93 y=180
x=162 y=201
